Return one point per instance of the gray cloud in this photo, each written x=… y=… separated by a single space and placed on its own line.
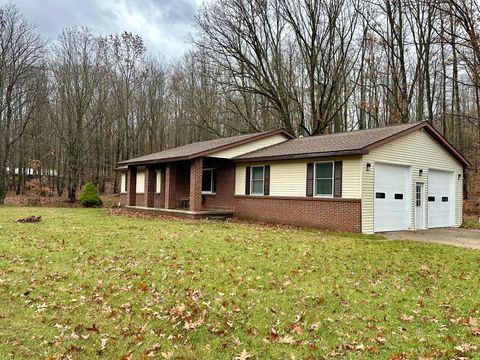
x=163 y=24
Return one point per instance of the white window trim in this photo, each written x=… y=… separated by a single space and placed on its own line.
x=123 y=183
x=211 y=182
x=137 y=182
x=158 y=181
x=263 y=180
x=315 y=179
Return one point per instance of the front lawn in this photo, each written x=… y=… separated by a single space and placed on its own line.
x=85 y=283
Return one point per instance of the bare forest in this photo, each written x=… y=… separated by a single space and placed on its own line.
x=75 y=106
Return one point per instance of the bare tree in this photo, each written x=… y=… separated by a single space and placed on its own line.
x=21 y=53
x=76 y=74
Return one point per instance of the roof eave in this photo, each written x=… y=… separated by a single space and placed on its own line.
x=154 y=161
x=303 y=156
x=120 y=168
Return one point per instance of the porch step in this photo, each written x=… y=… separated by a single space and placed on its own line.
x=217 y=217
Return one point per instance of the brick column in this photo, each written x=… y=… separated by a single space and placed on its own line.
x=170 y=186
x=196 y=168
x=132 y=186
x=150 y=182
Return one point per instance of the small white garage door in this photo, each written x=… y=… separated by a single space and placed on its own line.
x=392 y=209
x=441 y=199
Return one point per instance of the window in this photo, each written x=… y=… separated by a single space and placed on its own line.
x=324 y=179
x=431 y=198
x=380 y=195
x=158 y=183
x=140 y=182
x=418 y=196
x=398 y=196
x=209 y=181
x=256 y=182
x=445 y=199
x=123 y=185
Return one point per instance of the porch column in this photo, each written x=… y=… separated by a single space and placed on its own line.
x=196 y=168
x=150 y=179
x=170 y=186
x=132 y=185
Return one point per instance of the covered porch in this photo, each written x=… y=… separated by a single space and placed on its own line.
x=197 y=188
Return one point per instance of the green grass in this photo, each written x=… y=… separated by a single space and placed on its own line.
x=84 y=283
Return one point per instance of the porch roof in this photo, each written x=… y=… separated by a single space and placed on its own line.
x=203 y=148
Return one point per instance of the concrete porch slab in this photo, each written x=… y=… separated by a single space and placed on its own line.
x=203 y=214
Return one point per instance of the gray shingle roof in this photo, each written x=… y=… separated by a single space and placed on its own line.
x=200 y=148
x=353 y=142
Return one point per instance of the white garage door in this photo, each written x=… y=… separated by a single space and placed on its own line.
x=392 y=198
x=441 y=199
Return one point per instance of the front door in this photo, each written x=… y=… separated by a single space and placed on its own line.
x=419 y=206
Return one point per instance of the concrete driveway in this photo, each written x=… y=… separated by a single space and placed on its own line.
x=469 y=238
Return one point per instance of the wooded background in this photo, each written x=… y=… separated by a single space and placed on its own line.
x=84 y=102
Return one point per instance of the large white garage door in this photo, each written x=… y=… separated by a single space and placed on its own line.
x=441 y=199
x=392 y=198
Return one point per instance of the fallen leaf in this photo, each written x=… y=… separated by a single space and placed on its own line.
x=244 y=355
x=142 y=286
x=296 y=329
x=406 y=318
x=94 y=328
x=286 y=340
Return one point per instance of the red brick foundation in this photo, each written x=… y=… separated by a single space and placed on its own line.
x=330 y=214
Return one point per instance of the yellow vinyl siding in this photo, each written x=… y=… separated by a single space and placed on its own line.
x=240 y=179
x=419 y=151
x=252 y=146
x=289 y=178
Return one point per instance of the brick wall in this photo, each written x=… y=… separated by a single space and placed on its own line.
x=159 y=200
x=223 y=198
x=150 y=182
x=170 y=185
x=140 y=199
x=131 y=184
x=332 y=214
x=182 y=186
x=326 y=213
x=196 y=168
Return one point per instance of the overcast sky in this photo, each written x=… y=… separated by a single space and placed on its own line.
x=163 y=24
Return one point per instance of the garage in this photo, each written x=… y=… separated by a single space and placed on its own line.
x=441 y=199
x=392 y=206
